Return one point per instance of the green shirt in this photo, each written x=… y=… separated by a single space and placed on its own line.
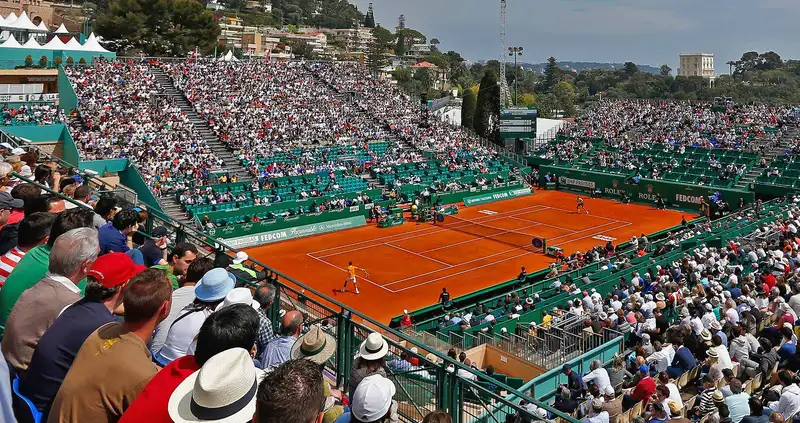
x=30 y=269
x=165 y=267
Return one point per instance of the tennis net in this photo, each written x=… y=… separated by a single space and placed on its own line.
x=513 y=238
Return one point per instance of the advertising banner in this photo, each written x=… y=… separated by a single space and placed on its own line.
x=496 y=196
x=270 y=236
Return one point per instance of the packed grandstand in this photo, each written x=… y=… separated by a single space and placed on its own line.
x=696 y=322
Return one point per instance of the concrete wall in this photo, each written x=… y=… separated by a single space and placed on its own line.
x=503 y=362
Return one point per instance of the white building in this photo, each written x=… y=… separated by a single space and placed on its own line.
x=697 y=64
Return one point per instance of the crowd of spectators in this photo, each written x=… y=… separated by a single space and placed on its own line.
x=710 y=337
x=694 y=124
x=101 y=322
x=122 y=114
x=32 y=114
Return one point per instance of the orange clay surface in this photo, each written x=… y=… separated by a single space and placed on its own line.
x=408 y=265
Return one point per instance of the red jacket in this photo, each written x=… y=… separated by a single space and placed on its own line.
x=644 y=390
x=151 y=405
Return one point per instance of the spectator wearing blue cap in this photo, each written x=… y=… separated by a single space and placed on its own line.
x=643 y=390
x=209 y=293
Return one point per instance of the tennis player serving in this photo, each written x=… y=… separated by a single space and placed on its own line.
x=351 y=276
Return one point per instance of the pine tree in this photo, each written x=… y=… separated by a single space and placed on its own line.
x=487 y=109
x=375 y=59
x=369 y=20
x=468 y=105
x=551 y=74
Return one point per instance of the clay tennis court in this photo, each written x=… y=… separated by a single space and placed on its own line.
x=409 y=265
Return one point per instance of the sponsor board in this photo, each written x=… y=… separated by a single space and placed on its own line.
x=5 y=98
x=354 y=208
x=563 y=180
x=496 y=196
x=289 y=233
x=489 y=212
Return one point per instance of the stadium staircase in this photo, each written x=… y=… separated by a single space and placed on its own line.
x=772 y=152
x=170 y=204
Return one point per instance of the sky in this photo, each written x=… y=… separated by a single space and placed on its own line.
x=652 y=32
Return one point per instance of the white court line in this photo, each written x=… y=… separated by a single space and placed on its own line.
x=625 y=224
x=490 y=264
x=457 y=265
x=593 y=215
x=588 y=229
x=477 y=239
x=345 y=271
x=396 y=240
x=462 y=272
x=419 y=255
x=478 y=219
x=545 y=224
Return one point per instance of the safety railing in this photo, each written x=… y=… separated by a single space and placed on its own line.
x=466 y=394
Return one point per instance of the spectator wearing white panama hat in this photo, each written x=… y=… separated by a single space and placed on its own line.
x=372 y=402
x=223 y=390
x=371 y=360
x=317 y=346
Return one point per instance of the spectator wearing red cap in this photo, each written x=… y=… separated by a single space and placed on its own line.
x=59 y=345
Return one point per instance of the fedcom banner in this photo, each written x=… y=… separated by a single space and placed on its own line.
x=646 y=191
x=292 y=233
x=496 y=196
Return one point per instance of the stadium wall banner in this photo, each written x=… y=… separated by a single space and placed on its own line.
x=612 y=186
x=496 y=196
x=271 y=236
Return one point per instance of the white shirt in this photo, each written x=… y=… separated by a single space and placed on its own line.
x=181 y=297
x=724 y=357
x=182 y=332
x=660 y=359
x=732 y=316
x=601 y=417
x=675 y=394
x=599 y=377
x=65 y=281
x=489 y=317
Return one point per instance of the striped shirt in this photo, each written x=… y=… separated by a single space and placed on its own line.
x=8 y=262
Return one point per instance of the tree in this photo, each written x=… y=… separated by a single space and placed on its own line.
x=158 y=27
x=551 y=72
x=565 y=95
x=434 y=44
x=369 y=20
x=375 y=59
x=58 y=60
x=546 y=105
x=629 y=69
x=236 y=5
x=469 y=102
x=400 y=49
x=43 y=61
x=527 y=99
x=70 y=61
x=665 y=70
x=82 y=61
x=28 y=61
x=383 y=38
x=487 y=108
x=730 y=64
x=425 y=78
x=300 y=48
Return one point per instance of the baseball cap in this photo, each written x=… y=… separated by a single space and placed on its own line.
x=372 y=398
x=159 y=231
x=114 y=269
x=8 y=202
x=644 y=369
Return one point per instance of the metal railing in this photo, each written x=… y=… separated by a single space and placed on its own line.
x=442 y=383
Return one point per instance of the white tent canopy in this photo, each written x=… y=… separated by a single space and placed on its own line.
x=228 y=57
x=54 y=44
x=92 y=44
x=31 y=43
x=62 y=29
x=23 y=23
x=10 y=18
x=42 y=27
x=11 y=42
x=72 y=44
